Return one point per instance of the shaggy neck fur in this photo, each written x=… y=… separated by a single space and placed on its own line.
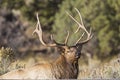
x=63 y=69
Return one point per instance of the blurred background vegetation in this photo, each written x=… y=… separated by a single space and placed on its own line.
x=17 y=19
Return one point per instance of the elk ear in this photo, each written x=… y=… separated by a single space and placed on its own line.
x=61 y=49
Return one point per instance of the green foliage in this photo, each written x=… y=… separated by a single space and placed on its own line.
x=45 y=8
x=64 y=23
x=7 y=56
x=16 y=4
x=102 y=16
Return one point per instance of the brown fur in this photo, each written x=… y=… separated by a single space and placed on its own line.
x=62 y=68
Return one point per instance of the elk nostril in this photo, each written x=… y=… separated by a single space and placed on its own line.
x=77 y=55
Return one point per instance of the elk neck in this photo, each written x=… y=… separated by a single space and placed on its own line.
x=63 y=68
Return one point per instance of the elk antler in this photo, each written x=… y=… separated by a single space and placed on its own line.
x=67 y=37
x=89 y=36
x=38 y=30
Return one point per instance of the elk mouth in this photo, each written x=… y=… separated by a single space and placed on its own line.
x=77 y=56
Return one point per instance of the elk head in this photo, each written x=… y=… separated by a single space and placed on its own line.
x=71 y=53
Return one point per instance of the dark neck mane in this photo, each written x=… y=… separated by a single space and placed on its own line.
x=62 y=69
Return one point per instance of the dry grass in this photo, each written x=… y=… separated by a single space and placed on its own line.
x=89 y=69
x=107 y=71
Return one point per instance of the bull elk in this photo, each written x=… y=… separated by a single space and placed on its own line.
x=64 y=67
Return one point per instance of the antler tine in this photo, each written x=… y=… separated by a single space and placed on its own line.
x=51 y=36
x=56 y=43
x=80 y=38
x=80 y=19
x=89 y=36
x=38 y=30
x=81 y=26
x=67 y=37
x=72 y=18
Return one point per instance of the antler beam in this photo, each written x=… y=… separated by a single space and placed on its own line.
x=38 y=30
x=81 y=25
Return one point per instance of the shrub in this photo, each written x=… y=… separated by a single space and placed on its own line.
x=7 y=56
